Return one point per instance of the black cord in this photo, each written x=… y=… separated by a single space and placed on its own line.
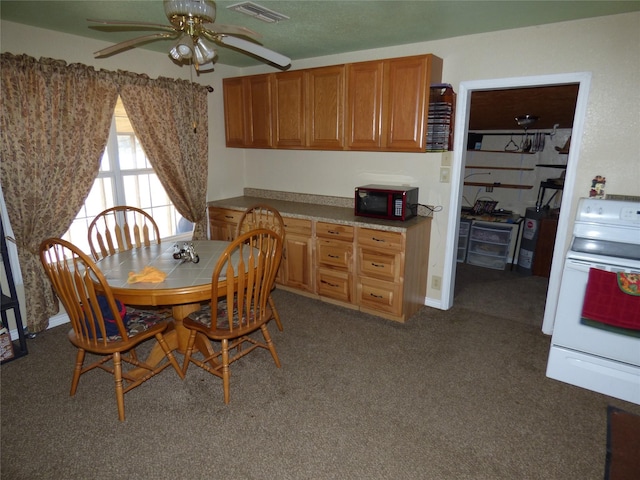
x=432 y=209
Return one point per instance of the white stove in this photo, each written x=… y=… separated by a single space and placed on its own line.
x=591 y=355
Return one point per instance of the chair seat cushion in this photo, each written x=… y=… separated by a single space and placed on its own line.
x=203 y=316
x=139 y=321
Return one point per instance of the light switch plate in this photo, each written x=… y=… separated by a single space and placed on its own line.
x=445 y=174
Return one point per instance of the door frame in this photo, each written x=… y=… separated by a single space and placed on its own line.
x=457 y=174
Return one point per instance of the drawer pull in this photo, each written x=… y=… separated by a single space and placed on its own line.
x=333 y=256
x=377 y=239
x=376 y=296
x=333 y=232
x=330 y=284
x=377 y=265
x=228 y=216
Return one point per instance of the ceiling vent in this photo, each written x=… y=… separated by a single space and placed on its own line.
x=258 y=11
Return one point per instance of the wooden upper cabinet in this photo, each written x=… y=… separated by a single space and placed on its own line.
x=247 y=111
x=259 y=119
x=325 y=107
x=234 y=112
x=380 y=105
x=364 y=107
x=388 y=103
x=289 y=109
x=407 y=104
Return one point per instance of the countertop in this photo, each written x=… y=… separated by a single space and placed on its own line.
x=311 y=211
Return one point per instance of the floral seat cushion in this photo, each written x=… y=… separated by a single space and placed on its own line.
x=203 y=316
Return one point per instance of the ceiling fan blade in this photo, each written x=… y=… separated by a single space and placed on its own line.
x=125 y=23
x=255 y=49
x=230 y=30
x=133 y=42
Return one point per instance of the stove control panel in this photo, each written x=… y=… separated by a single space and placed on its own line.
x=630 y=214
x=608 y=212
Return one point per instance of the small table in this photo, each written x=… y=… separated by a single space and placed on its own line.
x=186 y=285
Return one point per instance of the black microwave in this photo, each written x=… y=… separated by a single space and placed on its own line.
x=386 y=201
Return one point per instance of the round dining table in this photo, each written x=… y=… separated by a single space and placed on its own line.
x=186 y=285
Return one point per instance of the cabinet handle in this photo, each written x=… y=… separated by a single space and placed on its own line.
x=332 y=256
x=333 y=232
x=228 y=216
x=327 y=283
x=377 y=265
x=377 y=239
x=375 y=296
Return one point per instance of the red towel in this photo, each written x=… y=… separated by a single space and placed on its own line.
x=612 y=298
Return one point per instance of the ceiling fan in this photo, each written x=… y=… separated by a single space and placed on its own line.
x=193 y=27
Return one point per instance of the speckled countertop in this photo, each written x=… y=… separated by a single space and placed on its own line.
x=326 y=209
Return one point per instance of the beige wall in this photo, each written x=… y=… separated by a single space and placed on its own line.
x=608 y=47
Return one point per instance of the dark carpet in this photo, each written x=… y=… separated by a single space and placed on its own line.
x=457 y=394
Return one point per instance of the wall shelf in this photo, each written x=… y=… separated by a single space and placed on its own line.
x=499 y=185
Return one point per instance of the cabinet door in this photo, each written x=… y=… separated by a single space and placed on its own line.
x=258 y=111
x=223 y=223
x=289 y=105
x=325 y=107
x=297 y=257
x=407 y=103
x=364 y=105
x=297 y=262
x=234 y=112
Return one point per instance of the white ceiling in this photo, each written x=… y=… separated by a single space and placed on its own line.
x=317 y=28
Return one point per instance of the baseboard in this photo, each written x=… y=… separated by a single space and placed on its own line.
x=433 y=303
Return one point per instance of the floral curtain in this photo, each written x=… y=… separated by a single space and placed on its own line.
x=170 y=119
x=54 y=125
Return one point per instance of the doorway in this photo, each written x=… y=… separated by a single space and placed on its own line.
x=564 y=219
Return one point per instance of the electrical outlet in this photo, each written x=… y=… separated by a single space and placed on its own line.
x=436 y=282
x=445 y=174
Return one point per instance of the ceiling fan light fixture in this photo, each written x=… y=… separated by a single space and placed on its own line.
x=182 y=49
x=203 y=52
x=203 y=9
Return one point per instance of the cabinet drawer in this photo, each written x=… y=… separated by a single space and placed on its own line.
x=334 y=230
x=297 y=225
x=334 y=284
x=491 y=234
x=380 y=295
x=224 y=215
x=490 y=249
x=373 y=263
x=334 y=254
x=381 y=239
x=486 y=261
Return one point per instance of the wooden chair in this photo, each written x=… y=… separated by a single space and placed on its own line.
x=263 y=216
x=253 y=259
x=97 y=320
x=121 y=228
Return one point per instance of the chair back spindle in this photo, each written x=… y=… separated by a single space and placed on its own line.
x=121 y=228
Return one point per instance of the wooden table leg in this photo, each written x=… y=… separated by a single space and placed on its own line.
x=177 y=337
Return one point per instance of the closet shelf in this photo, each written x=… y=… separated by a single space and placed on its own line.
x=502 y=151
x=487 y=167
x=499 y=185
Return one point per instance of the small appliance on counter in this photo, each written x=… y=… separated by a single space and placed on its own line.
x=388 y=202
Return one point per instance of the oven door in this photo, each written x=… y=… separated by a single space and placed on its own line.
x=571 y=332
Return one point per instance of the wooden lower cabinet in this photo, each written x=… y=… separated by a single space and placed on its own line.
x=296 y=268
x=377 y=271
x=334 y=261
x=223 y=223
x=392 y=270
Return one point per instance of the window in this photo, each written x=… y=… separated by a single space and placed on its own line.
x=125 y=178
